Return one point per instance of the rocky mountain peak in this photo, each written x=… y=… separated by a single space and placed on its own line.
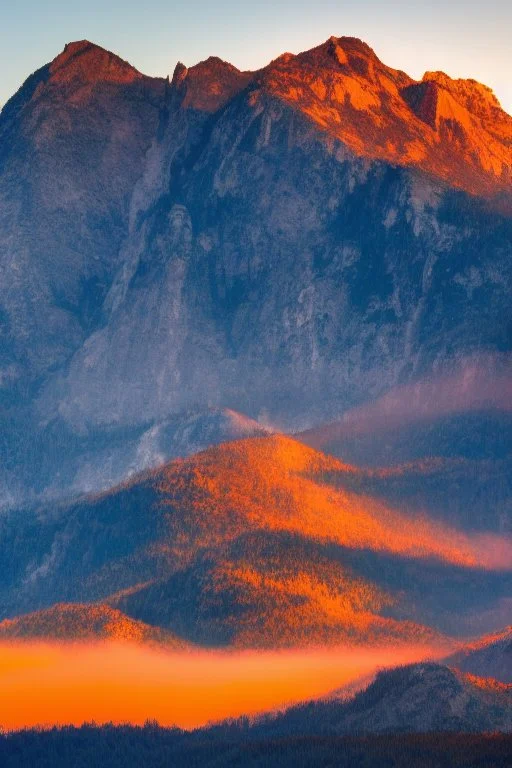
x=84 y=61
x=180 y=74
x=467 y=116
x=351 y=46
x=215 y=63
x=314 y=202
x=213 y=82
x=348 y=54
x=283 y=58
x=350 y=50
x=454 y=129
x=463 y=87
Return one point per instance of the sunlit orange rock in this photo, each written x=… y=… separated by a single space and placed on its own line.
x=452 y=129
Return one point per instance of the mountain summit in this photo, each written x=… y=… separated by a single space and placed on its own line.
x=288 y=243
x=87 y=62
x=453 y=129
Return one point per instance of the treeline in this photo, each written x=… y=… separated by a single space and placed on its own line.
x=232 y=745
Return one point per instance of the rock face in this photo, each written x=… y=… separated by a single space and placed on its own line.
x=65 y=192
x=288 y=243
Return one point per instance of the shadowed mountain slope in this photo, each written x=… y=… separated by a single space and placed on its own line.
x=101 y=458
x=417 y=698
x=442 y=445
x=65 y=190
x=490 y=656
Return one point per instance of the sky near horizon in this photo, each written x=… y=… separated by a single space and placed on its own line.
x=464 y=38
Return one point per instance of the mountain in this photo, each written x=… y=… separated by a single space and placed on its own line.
x=490 y=656
x=84 y=622
x=102 y=458
x=463 y=434
x=442 y=444
x=419 y=698
x=470 y=494
x=260 y=542
x=452 y=129
x=463 y=414
x=290 y=243
x=65 y=188
x=457 y=468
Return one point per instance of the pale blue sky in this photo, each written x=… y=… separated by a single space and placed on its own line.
x=465 y=39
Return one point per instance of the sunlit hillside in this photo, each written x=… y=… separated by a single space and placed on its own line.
x=79 y=622
x=262 y=542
